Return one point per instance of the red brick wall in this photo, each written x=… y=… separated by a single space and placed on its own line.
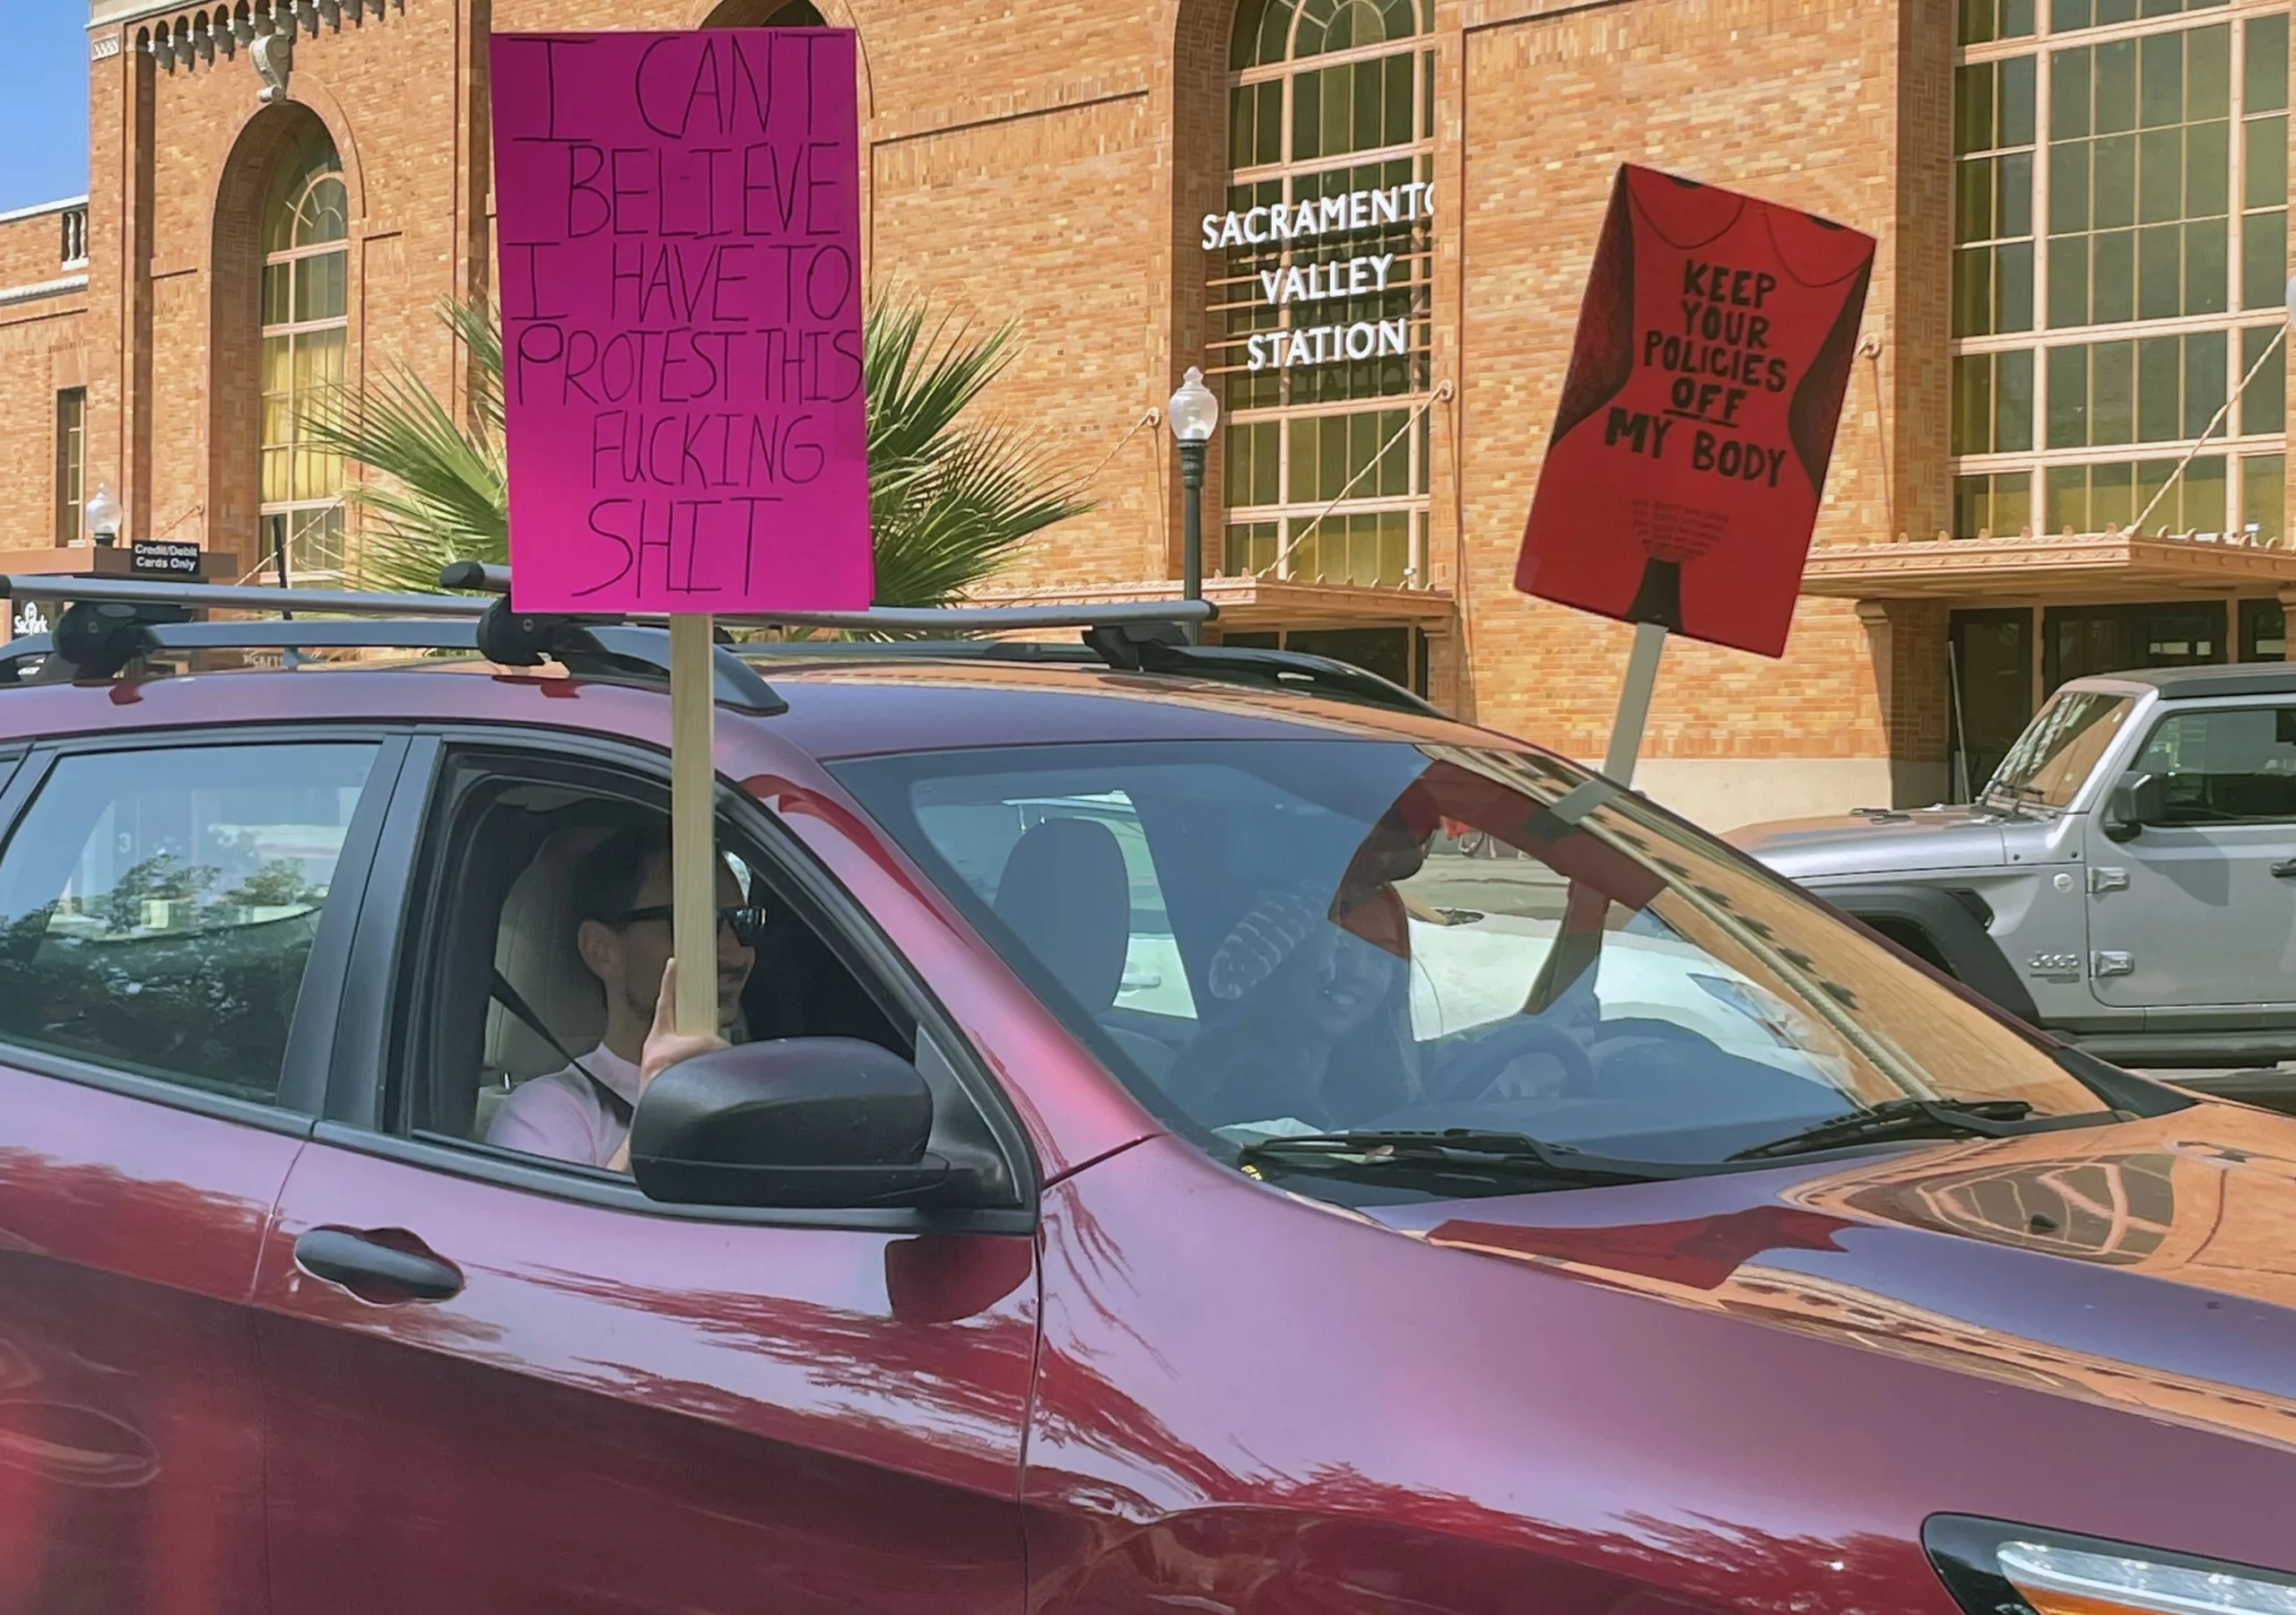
x=1790 y=99
x=1043 y=162
x=40 y=354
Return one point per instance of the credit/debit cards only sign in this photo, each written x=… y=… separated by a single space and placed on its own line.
x=1681 y=483
x=679 y=217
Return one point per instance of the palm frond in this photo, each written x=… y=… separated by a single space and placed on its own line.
x=951 y=496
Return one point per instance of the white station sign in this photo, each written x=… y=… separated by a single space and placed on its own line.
x=1325 y=280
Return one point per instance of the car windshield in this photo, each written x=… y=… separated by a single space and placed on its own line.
x=1307 y=937
x=2058 y=749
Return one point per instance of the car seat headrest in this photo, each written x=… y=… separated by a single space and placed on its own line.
x=1064 y=893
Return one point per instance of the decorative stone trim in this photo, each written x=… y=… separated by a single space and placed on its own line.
x=39 y=288
x=265 y=30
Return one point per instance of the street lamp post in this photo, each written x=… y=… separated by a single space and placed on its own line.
x=1193 y=412
x=103 y=517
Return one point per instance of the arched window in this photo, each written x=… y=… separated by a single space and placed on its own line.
x=765 y=14
x=1323 y=332
x=306 y=229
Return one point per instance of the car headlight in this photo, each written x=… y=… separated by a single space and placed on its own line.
x=1998 y=1569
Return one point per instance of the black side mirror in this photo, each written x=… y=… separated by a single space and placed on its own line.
x=2134 y=802
x=801 y=1122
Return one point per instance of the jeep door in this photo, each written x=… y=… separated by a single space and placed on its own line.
x=2200 y=909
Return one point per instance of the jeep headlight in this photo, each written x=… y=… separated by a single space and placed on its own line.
x=1998 y=1569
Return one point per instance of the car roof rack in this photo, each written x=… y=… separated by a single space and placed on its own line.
x=109 y=624
x=1138 y=635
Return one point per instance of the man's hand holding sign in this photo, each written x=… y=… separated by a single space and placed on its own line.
x=680 y=241
x=1689 y=454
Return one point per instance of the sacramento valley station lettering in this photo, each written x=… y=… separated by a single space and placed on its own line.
x=1323 y=281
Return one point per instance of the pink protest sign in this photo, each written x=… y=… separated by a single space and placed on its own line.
x=679 y=222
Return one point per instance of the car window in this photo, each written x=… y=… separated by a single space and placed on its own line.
x=2226 y=767
x=157 y=907
x=2059 y=748
x=977 y=826
x=523 y=1038
x=1388 y=936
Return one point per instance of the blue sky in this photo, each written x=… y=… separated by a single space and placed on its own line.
x=44 y=101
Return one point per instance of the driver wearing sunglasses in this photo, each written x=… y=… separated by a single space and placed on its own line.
x=621 y=913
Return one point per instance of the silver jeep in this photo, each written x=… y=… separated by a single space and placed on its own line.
x=2126 y=880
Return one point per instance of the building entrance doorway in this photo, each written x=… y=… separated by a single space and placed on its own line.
x=2079 y=640
x=1398 y=655
x=1992 y=673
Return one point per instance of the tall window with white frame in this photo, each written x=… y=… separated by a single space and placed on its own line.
x=2120 y=259
x=1325 y=458
x=70 y=461
x=305 y=256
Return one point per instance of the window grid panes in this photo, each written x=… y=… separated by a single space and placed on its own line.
x=1983 y=20
x=1326 y=97
x=70 y=461
x=2121 y=191
x=301 y=364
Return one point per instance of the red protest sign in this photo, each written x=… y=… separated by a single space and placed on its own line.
x=1689 y=454
x=681 y=245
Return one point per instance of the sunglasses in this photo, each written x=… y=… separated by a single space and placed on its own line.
x=746 y=923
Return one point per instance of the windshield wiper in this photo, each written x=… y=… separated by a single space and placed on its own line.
x=1911 y=1119
x=2015 y=794
x=1462 y=1152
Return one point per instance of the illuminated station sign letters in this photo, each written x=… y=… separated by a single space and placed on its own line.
x=1301 y=285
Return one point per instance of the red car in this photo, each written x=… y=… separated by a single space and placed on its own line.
x=1207 y=1134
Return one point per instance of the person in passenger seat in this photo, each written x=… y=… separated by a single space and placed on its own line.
x=622 y=911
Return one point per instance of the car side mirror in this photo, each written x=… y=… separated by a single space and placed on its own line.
x=2134 y=802
x=800 y=1122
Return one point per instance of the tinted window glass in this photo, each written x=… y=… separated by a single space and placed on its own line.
x=977 y=826
x=2225 y=768
x=2055 y=754
x=1376 y=935
x=157 y=907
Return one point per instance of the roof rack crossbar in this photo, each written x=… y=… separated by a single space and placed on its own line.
x=604 y=651
x=336 y=634
x=233 y=597
x=1291 y=671
x=981 y=619
x=898 y=620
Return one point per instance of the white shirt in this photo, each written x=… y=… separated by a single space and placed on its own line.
x=562 y=1116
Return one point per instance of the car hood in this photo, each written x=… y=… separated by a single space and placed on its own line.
x=2149 y=1265
x=1915 y=838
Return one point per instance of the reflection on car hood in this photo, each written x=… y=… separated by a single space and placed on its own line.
x=2150 y=1265
x=1934 y=837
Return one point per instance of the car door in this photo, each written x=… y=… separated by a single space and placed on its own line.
x=173 y=923
x=2201 y=910
x=495 y=1382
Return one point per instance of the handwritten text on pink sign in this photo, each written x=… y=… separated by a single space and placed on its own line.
x=679 y=217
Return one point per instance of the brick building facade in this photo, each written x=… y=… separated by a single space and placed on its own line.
x=280 y=194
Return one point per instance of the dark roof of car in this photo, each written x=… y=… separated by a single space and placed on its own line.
x=850 y=705
x=2206 y=683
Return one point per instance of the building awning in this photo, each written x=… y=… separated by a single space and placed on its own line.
x=1258 y=603
x=2117 y=567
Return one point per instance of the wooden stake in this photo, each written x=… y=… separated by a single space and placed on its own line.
x=694 y=821
x=1634 y=701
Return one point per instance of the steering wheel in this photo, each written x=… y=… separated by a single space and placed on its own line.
x=1466 y=1076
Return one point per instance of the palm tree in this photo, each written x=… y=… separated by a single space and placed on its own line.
x=950 y=498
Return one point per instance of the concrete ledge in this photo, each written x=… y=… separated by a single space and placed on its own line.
x=36 y=289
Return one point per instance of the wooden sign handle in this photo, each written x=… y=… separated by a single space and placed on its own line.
x=693 y=822
x=1634 y=701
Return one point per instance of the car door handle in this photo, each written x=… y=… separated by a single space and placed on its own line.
x=376 y=1268
x=2285 y=869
